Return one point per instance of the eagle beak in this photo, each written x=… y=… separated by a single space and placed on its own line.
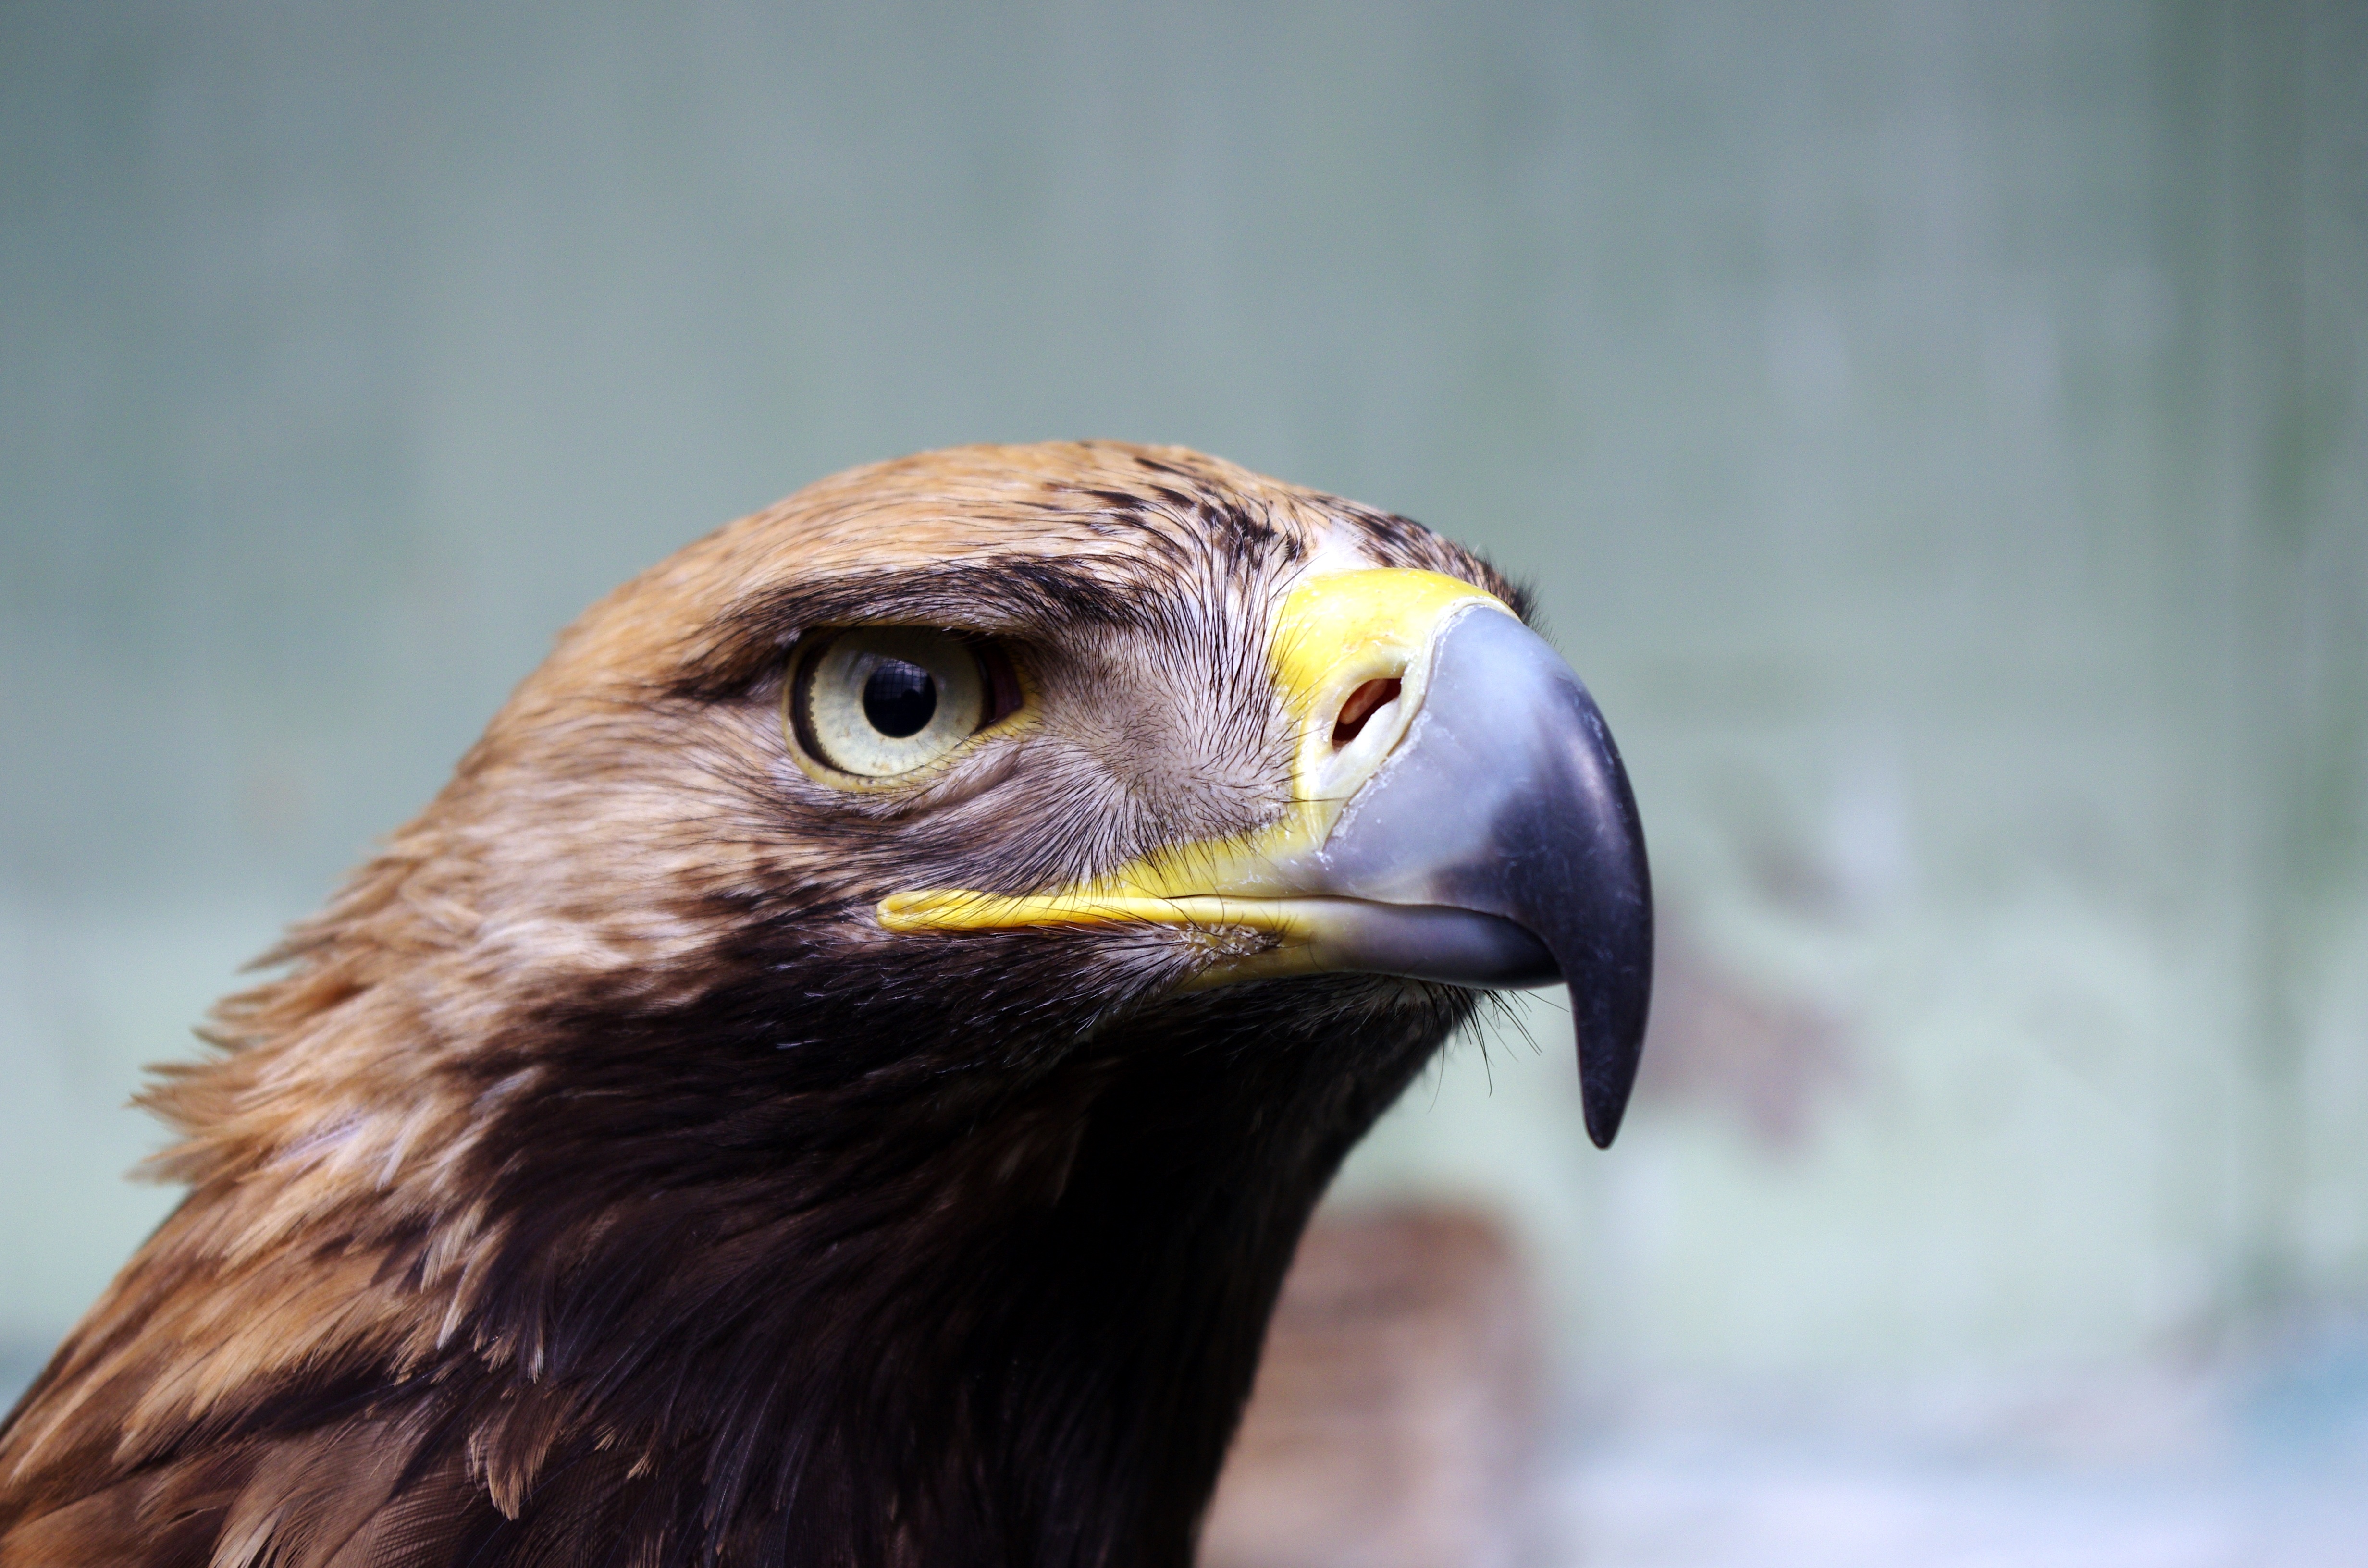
x=1506 y=799
x=1460 y=814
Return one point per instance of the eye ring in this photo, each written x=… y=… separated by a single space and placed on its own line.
x=873 y=704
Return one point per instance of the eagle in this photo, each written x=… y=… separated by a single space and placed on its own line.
x=838 y=1075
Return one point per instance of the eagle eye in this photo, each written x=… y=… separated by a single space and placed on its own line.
x=877 y=701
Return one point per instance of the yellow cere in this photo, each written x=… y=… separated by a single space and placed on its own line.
x=1332 y=634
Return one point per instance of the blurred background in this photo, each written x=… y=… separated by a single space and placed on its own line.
x=1938 y=432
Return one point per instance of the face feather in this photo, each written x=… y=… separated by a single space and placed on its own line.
x=597 y=1168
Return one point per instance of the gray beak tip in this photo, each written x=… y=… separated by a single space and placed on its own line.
x=1586 y=890
x=1606 y=1076
x=1611 y=995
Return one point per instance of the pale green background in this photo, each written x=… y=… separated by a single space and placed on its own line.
x=1938 y=432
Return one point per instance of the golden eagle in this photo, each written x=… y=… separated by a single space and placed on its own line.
x=838 y=1075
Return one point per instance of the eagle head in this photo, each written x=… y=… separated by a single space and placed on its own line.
x=838 y=1075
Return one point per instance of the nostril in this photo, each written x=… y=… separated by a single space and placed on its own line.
x=1362 y=704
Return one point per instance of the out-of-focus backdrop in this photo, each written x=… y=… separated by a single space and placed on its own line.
x=1938 y=432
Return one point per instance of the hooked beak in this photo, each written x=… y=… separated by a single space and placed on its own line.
x=1460 y=814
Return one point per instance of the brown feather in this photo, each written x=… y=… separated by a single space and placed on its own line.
x=595 y=1182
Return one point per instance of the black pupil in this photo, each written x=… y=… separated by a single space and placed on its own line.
x=899 y=699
